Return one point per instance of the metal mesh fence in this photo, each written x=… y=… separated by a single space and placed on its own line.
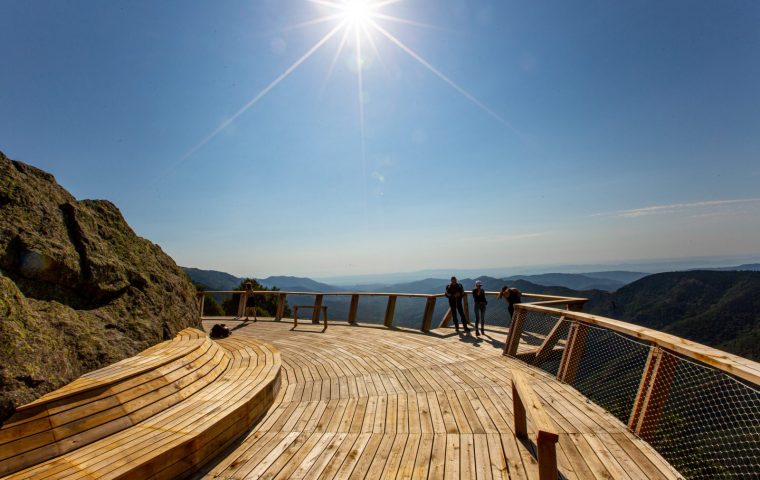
x=609 y=370
x=703 y=421
x=550 y=361
x=536 y=326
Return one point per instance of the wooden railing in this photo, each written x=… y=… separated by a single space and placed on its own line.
x=678 y=395
x=571 y=303
x=724 y=361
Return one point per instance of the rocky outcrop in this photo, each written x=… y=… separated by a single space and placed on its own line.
x=78 y=288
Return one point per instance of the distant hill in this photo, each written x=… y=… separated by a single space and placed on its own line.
x=297 y=284
x=752 y=267
x=623 y=276
x=212 y=279
x=576 y=281
x=720 y=309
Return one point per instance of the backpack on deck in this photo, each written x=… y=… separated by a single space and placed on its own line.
x=220 y=331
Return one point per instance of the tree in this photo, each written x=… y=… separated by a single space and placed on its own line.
x=266 y=305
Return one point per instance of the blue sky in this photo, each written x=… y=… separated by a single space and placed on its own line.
x=545 y=132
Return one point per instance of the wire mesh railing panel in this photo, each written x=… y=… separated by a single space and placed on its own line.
x=703 y=421
x=549 y=361
x=536 y=326
x=609 y=370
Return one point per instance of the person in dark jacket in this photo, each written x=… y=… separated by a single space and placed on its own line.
x=455 y=292
x=512 y=296
x=479 y=305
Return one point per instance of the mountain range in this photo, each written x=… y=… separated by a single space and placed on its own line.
x=714 y=307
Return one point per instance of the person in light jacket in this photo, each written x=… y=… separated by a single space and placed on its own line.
x=479 y=302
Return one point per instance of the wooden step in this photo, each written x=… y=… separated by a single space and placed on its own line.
x=159 y=423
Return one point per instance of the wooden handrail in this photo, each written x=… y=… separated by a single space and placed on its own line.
x=726 y=362
x=326 y=294
x=546 y=299
x=526 y=401
x=572 y=303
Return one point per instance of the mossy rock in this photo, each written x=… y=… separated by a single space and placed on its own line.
x=78 y=288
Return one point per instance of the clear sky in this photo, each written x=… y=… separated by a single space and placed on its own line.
x=486 y=134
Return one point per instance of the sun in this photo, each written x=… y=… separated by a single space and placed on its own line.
x=357 y=12
x=361 y=19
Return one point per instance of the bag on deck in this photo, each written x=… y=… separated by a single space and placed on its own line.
x=220 y=331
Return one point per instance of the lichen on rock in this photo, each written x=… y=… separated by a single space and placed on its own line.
x=78 y=288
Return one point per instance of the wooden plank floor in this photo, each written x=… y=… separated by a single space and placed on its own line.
x=371 y=402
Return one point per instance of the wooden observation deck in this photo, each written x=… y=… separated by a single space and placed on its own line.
x=553 y=393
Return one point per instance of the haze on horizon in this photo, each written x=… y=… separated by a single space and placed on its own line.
x=297 y=137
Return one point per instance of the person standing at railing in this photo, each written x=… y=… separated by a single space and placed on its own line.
x=455 y=292
x=480 y=302
x=247 y=303
x=512 y=296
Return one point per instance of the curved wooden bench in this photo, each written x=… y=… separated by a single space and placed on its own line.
x=168 y=426
x=111 y=399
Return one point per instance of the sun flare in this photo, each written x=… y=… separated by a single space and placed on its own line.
x=359 y=19
x=357 y=12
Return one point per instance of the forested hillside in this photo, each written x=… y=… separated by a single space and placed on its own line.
x=720 y=309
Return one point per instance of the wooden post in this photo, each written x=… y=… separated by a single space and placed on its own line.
x=446 y=319
x=317 y=308
x=571 y=358
x=241 y=304
x=280 y=307
x=515 y=332
x=389 y=310
x=203 y=302
x=525 y=400
x=551 y=340
x=648 y=412
x=352 y=309
x=521 y=422
x=547 y=455
x=646 y=376
x=427 y=318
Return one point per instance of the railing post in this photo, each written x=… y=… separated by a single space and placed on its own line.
x=427 y=318
x=389 y=310
x=203 y=303
x=280 y=307
x=515 y=332
x=352 y=309
x=241 y=304
x=654 y=390
x=317 y=308
x=571 y=357
x=446 y=319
